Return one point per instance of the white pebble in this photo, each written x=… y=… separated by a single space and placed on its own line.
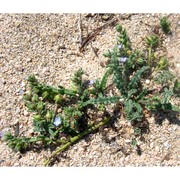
x=16 y=164
x=31 y=157
x=167 y=145
x=152 y=145
x=18 y=110
x=23 y=84
x=127 y=141
x=29 y=60
x=157 y=148
x=46 y=69
x=147 y=81
x=26 y=113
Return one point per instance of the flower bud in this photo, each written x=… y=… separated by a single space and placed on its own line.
x=37 y=117
x=119 y=28
x=35 y=98
x=35 y=90
x=45 y=95
x=58 y=98
x=49 y=115
x=140 y=61
x=31 y=106
x=40 y=106
x=27 y=97
x=107 y=54
x=163 y=63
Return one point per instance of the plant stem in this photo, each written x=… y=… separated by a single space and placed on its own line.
x=149 y=57
x=75 y=139
x=150 y=61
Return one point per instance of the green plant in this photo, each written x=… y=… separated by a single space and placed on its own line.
x=176 y=88
x=165 y=25
x=73 y=103
x=70 y=110
x=164 y=77
x=129 y=69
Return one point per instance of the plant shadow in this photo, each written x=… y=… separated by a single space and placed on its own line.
x=171 y=116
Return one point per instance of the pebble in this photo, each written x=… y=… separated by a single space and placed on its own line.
x=26 y=113
x=167 y=145
x=16 y=164
x=45 y=70
x=157 y=148
x=31 y=158
x=147 y=81
x=18 y=110
x=29 y=60
x=152 y=145
x=23 y=84
x=127 y=141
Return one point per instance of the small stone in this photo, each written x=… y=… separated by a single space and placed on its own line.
x=19 y=68
x=157 y=148
x=147 y=81
x=126 y=158
x=23 y=84
x=127 y=141
x=167 y=145
x=18 y=110
x=21 y=126
x=31 y=158
x=152 y=145
x=29 y=60
x=35 y=72
x=125 y=16
x=105 y=17
x=106 y=130
x=26 y=113
x=45 y=70
x=16 y=164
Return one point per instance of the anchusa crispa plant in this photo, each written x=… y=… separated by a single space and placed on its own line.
x=165 y=25
x=67 y=121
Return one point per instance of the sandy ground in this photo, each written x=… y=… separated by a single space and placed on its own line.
x=47 y=45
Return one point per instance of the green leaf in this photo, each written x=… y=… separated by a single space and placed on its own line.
x=152 y=41
x=104 y=100
x=131 y=92
x=133 y=84
x=118 y=28
x=165 y=25
x=176 y=88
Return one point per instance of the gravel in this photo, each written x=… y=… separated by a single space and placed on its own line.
x=47 y=45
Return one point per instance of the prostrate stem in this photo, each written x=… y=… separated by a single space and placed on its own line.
x=75 y=139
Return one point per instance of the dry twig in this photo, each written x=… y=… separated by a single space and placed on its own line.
x=95 y=32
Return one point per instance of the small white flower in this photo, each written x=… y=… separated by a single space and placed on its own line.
x=91 y=82
x=123 y=59
x=57 y=121
x=120 y=46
